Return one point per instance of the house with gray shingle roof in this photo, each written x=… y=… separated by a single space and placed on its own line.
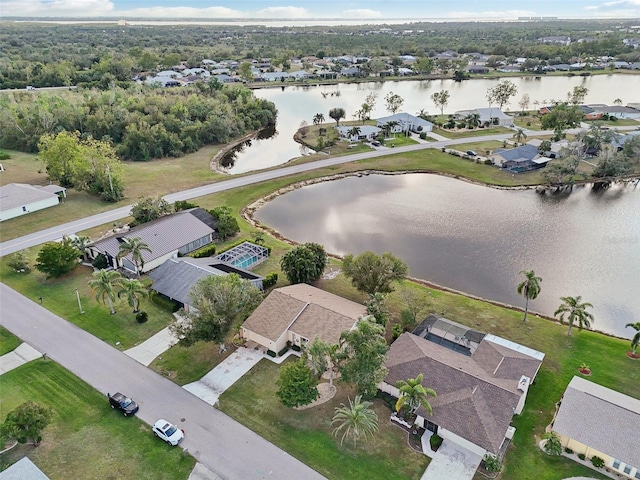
x=520 y=159
x=167 y=237
x=176 y=277
x=488 y=116
x=17 y=199
x=478 y=389
x=597 y=421
x=405 y=121
x=298 y=314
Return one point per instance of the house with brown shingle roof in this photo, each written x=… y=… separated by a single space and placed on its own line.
x=479 y=389
x=298 y=314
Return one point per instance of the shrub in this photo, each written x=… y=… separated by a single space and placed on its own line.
x=396 y=330
x=295 y=348
x=389 y=400
x=100 y=262
x=142 y=316
x=270 y=280
x=206 y=251
x=491 y=463
x=581 y=456
x=423 y=135
x=271 y=353
x=165 y=303
x=180 y=205
x=597 y=462
x=435 y=441
x=19 y=263
x=568 y=450
x=4 y=155
x=283 y=351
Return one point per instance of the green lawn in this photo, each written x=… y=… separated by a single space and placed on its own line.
x=8 y=341
x=399 y=140
x=621 y=122
x=86 y=439
x=306 y=434
x=59 y=296
x=481 y=148
x=528 y=122
x=470 y=133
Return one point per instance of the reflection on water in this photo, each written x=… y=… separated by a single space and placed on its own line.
x=476 y=239
x=229 y=160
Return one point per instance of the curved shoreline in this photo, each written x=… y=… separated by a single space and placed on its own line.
x=247 y=213
x=214 y=163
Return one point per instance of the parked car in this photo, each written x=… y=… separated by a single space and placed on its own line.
x=471 y=153
x=375 y=143
x=30 y=87
x=123 y=403
x=168 y=432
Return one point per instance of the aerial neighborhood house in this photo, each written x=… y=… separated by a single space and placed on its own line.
x=17 y=199
x=365 y=132
x=163 y=81
x=480 y=69
x=619 y=140
x=560 y=39
x=298 y=314
x=167 y=237
x=481 y=381
x=176 y=277
x=589 y=113
x=555 y=148
x=520 y=159
x=613 y=420
x=488 y=116
x=403 y=122
x=617 y=111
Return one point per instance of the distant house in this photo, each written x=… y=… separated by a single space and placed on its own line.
x=299 y=314
x=367 y=132
x=351 y=72
x=510 y=68
x=167 y=237
x=613 y=419
x=403 y=71
x=17 y=199
x=589 y=113
x=488 y=116
x=559 y=39
x=299 y=75
x=405 y=122
x=520 y=159
x=176 y=277
x=554 y=150
x=274 y=76
x=478 y=69
x=200 y=72
x=619 y=140
x=618 y=111
x=481 y=381
x=164 y=81
x=169 y=73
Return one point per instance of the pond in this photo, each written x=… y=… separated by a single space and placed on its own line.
x=296 y=104
x=477 y=239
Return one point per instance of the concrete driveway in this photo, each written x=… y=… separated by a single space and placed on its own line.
x=221 y=444
x=452 y=462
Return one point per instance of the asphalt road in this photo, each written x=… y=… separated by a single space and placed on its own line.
x=227 y=448
x=54 y=233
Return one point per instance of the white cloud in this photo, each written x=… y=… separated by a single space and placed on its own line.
x=56 y=8
x=492 y=14
x=182 y=12
x=359 y=13
x=283 y=12
x=617 y=8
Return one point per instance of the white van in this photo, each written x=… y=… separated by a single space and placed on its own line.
x=30 y=87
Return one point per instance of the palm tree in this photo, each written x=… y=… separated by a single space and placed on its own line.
x=322 y=357
x=354 y=132
x=414 y=395
x=318 y=118
x=519 y=135
x=636 y=338
x=574 y=310
x=132 y=288
x=472 y=120
x=356 y=421
x=103 y=285
x=134 y=246
x=392 y=125
x=529 y=288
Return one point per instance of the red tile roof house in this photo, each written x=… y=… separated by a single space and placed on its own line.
x=479 y=387
x=167 y=237
x=298 y=314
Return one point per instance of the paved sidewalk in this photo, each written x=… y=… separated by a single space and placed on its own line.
x=200 y=472
x=148 y=350
x=22 y=354
x=438 y=137
x=452 y=462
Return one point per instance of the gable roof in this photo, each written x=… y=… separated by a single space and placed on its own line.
x=15 y=195
x=477 y=394
x=175 y=277
x=405 y=118
x=600 y=418
x=305 y=310
x=523 y=153
x=163 y=235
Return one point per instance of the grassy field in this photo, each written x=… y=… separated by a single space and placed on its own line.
x=470 y=133
x=481 y=148
x=59 y=296
x=307 y=434
x=528 y=122
x=8 y=341
x=86 y=439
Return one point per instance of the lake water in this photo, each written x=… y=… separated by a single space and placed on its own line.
x=296 y=104
x=477 y=239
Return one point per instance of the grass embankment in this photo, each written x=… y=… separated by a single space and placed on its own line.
x=307 y=434
x=59 y=296
x=86 y=438
x=157 y=177
x=8 y=341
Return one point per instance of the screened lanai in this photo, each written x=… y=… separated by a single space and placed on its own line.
x=246 y=255
x=449 y=334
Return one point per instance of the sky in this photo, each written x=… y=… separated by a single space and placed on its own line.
x=335 y=9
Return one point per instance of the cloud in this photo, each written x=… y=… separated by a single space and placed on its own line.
x=182 y=12
x=56 y=8
x=283 y=12
x=492 y=14
x=359 y=13
x=617 y=8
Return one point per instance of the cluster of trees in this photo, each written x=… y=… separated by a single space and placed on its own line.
x=142 y=122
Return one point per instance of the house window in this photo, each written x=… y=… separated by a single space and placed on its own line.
x=637 y=475
x=627 y=469
x=616 y=464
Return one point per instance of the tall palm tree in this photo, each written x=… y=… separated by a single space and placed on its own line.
x=472 y=120
x=322 y=357
x=134 y=246
x=574 y=310
x=318 y=118
x=414 y=395
x=357 y=420
x=103 y=284
x=354 y=132
x=519 y=135
x=132 y=288
x=529 y=288
x=635 y=341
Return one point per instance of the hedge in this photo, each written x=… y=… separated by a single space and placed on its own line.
x=165 y=303
x=206 y=251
